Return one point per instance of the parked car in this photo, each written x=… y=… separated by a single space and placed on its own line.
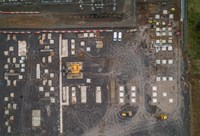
x=120 y=36
x=114 y=36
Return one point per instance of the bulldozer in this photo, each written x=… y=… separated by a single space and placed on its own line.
x=74 y=70
x=161 y=117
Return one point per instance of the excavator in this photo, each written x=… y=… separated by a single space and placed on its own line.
x=126 y=114
x=161 y=117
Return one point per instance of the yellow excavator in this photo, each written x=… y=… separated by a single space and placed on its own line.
x=126 y=114
x=161 y=117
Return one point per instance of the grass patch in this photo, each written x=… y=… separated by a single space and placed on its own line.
x=194 y=54
x=194 y=28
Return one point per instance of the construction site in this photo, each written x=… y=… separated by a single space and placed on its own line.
x=105 y=68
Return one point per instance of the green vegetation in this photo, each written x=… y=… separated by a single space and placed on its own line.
x=194 y=34
x=194 y=27
x=194 y=53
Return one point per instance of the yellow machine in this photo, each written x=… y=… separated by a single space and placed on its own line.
x=75 y=68
x=161 y=117
x=173 y=9
x=126 y=114
x=151 y=21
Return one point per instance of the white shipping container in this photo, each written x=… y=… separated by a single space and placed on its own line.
x=157 y=29
x=133 y=100
x=164 y=48
x=85 y=35
x=91 y=35
x=158 y=78
x=98 y=96
x=170 y=48
x=121 y=94
x=121 y=100
x=163 y=28
x=157 y=61
x=14 y=60
x=157 y=33
x=157 y=41
x=169 y=41
x=154 y=88
x=49 y=36
x=83 y=94
x=50 y=59
x=133 y=94
x=164 y=61
x=38 y=71
x=51 y=41
x=9 y=129
x=8 y=37
x=121 y=88
x=155 y=100
x=43 y=60
x=157 y=16
x=72 y=41
x=133 y=88
x=64 y=48
x=65 y=95
x=170 y=61
x=74 y=100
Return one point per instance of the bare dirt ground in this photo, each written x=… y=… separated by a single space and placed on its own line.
x=133 y=59
x=195 y=100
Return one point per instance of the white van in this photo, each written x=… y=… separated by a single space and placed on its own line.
x=114 y=36
x=120 y=36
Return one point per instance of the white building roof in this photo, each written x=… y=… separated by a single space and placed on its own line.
x=133 y=94
x=164 y=94
x=170 y=61
x=157 y=61
x=36 y=118
x=121 y=94
x=133 y=88
x=133 y=100
x=164 y=78
x=154 y=88
x=158 y=78
x=155 y=100
x=121 y=88
x=171 y=100
x=154 y=94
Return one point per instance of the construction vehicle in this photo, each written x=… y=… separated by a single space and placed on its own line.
x=173 y=9
x=151 y=21
x=161 y=117
x=126 y=114
x=73 y=70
